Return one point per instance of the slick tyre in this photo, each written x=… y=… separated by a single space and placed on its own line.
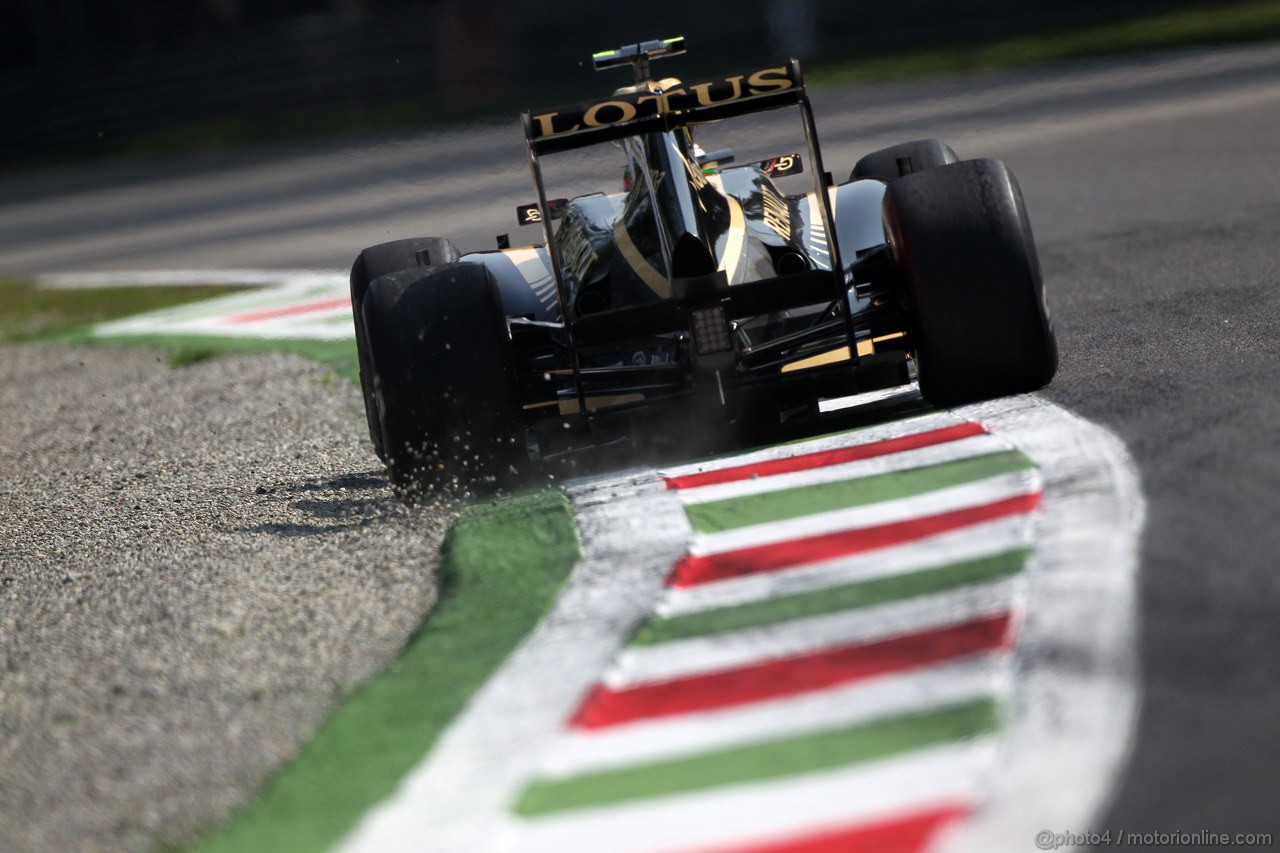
x=444 y=380
x=889 y=164
x=373 y=262
x=980 y=322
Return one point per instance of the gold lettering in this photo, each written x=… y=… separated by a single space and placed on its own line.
x=576 y=252
x=676 y=92
x=776 y=213
x=546 y=125
x=696 y=177
x=658 y=98
x=768 y=80
x=703 y=91
x=626 y=112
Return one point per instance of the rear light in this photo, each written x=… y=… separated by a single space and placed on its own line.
x=710 y=330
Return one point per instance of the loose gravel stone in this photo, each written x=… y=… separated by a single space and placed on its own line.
x=196 y=564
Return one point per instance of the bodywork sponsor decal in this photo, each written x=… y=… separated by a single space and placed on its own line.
x=628 y=107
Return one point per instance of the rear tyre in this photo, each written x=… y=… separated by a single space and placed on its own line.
x=444 y=380
x=906 y=158
x=980 y=322
x=373 y=262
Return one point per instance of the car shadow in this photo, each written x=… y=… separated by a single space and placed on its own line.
x=360 y=498
x=690 y=442
x=335 y=504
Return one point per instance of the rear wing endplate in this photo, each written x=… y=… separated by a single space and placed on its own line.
x=630 y=113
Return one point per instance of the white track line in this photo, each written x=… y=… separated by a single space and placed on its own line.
x=1166 y=108
x=750 y=812
x=868 y=398
x=640 y=665
x=977 y=493
x=1093 y=78
x=967 y=679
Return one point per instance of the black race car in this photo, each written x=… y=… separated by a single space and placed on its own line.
x=698 y=288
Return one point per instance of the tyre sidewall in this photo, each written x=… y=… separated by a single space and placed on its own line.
x=962 y=239
x=444 y=377
x=374 y=262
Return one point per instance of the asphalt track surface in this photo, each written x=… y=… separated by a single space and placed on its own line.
x=1154 y=189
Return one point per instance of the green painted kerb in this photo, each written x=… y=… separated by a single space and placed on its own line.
x=821 y=602
x=503 y=564
x=809 y=753
x=800 y=501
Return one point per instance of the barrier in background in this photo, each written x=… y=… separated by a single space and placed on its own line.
x=453 y=56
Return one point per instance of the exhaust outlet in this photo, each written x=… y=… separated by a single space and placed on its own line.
x=790 y=262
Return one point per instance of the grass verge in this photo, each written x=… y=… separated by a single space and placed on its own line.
x=339 y=356
x=57 y=315
x=33 y=313
x=1219 y=23
x=64 y=315
x=503 y=563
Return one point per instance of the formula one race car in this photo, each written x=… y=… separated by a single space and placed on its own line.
x=697 y=287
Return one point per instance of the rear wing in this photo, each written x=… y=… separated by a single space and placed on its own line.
x=630 y=113
x=642 y=110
